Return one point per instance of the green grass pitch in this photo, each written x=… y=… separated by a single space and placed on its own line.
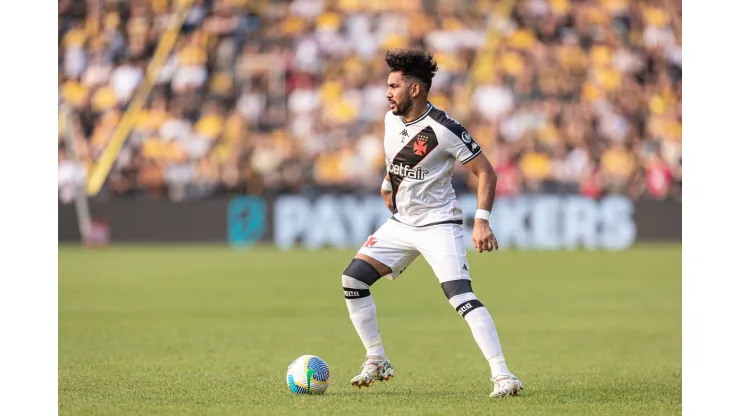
x=206 y=330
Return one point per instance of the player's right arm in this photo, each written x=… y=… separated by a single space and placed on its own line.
x=387 y=192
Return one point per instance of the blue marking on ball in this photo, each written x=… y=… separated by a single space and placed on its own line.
x=294 y=387
x=321 y=370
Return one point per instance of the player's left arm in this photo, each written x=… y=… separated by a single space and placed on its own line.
x=483 y=238
x=458 y=143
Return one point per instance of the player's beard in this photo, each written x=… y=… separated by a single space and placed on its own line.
x=402 y=106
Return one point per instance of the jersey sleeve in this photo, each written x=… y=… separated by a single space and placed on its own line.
x=457 y=141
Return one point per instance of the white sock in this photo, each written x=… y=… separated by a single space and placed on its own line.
x=484 y=331
x=363 y=314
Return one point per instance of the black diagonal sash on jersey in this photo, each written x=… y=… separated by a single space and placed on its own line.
x=410 y=155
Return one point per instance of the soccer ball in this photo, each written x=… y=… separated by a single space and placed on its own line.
x=308 y=374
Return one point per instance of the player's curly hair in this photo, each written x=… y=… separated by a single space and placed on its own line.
x=414 y=63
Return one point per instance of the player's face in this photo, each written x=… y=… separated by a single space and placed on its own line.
x=399 y=93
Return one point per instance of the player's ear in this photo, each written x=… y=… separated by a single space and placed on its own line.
x=415 y=89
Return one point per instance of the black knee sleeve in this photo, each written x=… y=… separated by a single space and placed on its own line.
x=460 y=287
x=361 y=271
x=456 y=287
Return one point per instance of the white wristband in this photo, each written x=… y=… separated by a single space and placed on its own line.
x=386 y=185
x=482 y=214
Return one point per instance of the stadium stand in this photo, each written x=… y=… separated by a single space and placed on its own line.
x=262 y=97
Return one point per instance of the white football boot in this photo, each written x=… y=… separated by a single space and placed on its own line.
x=506 y=385
x=373 y=370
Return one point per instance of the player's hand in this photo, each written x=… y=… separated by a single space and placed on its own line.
x=388 y=199
x=483 y=238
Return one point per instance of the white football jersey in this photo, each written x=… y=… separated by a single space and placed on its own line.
x=420 y=156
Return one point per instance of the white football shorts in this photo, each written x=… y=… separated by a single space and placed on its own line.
x=397 y=245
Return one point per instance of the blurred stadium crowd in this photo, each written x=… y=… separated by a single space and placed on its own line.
x=257 y=96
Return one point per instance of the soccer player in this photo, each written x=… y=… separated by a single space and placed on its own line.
x=421 y=145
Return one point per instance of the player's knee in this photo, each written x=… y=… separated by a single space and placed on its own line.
x=357 y=279
x=460 y=295
x=452 y=288
x=362 y=272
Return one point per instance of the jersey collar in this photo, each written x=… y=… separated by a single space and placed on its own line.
x=418 y=119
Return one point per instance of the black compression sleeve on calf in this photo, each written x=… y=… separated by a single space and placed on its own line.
x=456 y=287
x=468 y=306
x=361 y=270
x=350 y=293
